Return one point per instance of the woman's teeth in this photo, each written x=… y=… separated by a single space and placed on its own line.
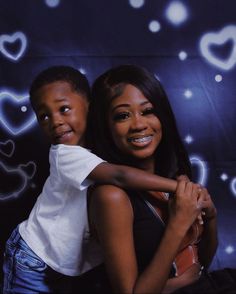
x=140 y=140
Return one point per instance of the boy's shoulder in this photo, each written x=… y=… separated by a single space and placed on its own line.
x=60 y=148
x=69 y=153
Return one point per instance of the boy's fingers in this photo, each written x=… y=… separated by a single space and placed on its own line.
x=193 y=189
x=189 y=188
x=181 y=186
x=183 y=178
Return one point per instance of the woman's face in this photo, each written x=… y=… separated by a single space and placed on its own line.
x=134 y=127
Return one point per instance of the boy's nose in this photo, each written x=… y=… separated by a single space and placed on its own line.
x=57 y=120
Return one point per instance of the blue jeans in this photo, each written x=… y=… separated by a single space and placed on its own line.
x=25 y=272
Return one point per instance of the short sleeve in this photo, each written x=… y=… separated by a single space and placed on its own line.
x=74 y=164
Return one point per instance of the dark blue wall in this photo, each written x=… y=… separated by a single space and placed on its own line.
x=189 y=45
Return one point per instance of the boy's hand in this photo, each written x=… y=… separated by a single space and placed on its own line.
x=183 y=178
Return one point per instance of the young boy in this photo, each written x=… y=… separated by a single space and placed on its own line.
x=53 y=244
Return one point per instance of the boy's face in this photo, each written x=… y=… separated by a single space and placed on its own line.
x=61 y=113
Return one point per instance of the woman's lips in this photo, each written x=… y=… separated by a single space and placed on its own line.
x=140 y=141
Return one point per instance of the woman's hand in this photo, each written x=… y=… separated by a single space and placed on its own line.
x=209 y=240
x=208 y=208
x=184 y=207
x=204 y=201
x=186 y=178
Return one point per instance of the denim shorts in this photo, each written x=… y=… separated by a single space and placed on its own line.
x=25 y=272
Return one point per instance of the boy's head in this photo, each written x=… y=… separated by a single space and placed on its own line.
x=60 y=96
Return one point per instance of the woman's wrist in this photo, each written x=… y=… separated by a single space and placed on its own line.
x=177 y=228
x=210 y=218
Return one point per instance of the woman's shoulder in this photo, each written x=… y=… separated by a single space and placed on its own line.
x=105 y=194
x=108 y=196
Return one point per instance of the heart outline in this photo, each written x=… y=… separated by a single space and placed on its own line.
x=14 y=194
x=24 y=167
x=233 y=186
x=195 y=159
x=11 y=39
x=11 y=148
x=219 y=38
x=18 y=99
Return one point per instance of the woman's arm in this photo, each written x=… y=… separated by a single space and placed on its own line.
x=130 y=177
x=209 y=241
x=112 y=215
x=191 y=275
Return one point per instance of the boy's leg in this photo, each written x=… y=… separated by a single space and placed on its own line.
x=24 y=272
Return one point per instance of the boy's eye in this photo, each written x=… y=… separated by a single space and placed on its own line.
x=121 y=116
x=43 y=117
x=64 y=109
x=148 y=111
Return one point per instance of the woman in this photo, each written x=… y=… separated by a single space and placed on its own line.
x=132 y=121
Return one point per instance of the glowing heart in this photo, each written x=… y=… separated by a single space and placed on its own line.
x=29 y=169
x=7 y=148
x=233 y=186
x=202 y=170
x=14 y=175
x=20 y=117
x=6 y=39
x=220 y=38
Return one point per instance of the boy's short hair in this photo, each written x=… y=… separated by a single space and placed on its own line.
x=74 y=77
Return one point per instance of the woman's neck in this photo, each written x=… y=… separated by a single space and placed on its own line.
x=147 y=165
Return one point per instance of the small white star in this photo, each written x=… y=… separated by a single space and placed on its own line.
x=224 y=177
x=136 y=3
x=82 y=70
x=188 y=94
x=154 y=26
x=177 y=13
x=23 y=108
x=229 y=249
x=188 y=139
x=183 y=55
x=218 y=78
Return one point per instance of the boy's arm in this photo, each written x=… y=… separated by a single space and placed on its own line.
x=130 y=177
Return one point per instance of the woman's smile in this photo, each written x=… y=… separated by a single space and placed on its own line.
x=140 y=141
x=135 y=128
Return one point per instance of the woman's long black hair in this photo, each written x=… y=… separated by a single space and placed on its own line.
x=171 y=158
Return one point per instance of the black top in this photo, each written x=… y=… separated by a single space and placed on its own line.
x=148 y=230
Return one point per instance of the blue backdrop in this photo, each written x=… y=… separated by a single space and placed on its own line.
x=189 y=45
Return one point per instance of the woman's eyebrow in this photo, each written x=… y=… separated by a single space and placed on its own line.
x=128 y=105
x=119 y=106
x=145 y=102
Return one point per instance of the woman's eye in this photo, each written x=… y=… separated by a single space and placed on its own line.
x=121 y=116
x=148 y=111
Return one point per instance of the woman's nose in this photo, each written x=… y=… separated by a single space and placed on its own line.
x=138 y=122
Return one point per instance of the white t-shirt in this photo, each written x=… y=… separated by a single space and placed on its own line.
x=57 y=229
